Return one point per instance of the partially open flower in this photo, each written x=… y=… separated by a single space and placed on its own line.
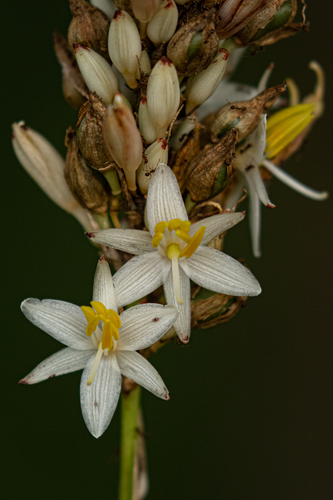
x=146 y=126
x=155 y=154
x=125 y=46
x=96 y=72
x=164 y=23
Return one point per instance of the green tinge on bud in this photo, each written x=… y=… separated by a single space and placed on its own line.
x=144 y=10
x=122 y=137
x=233 y=15
x=45 y=165
x=86 y=188
x=125 y=46
x=200 y=87
x=164 y=23
x=163 y=94
x=105 y=6
x=146 y=126
x=144 y=66
x=97 y=73
x=155 y=154
x=194 y=45
x=89 y=26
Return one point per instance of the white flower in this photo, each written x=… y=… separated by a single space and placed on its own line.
x=105 y=353
x=174 y=251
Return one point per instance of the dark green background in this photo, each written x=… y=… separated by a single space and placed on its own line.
x=250 y=414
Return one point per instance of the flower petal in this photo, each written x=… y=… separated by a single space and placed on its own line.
x=140 y=276
x=99 y=400
x=64 y=361
x=138 y=369
x=217 y=271
x=255 y=221
x=62 y=320
x=216 y=225
x=253 y=177
x=128 y=240
x=164 y=200
x=182 y=324
x=145 y=324
x=104 y=290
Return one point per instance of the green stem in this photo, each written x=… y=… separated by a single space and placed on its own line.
x=102 y=220
x=130 y=404
x=189 y=203
x=112 y=178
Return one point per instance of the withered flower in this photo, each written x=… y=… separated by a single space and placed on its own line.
x=233 y=15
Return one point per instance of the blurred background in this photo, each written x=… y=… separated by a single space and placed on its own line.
x=250 y=415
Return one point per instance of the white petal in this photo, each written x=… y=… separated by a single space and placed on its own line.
x=140 y=276
x=65 y=361
x=104 y=290
x=128 y=240
x=216 y=225
x=62 y=320
x=255 y=221
x=182 y=324
x=294 y=183
x=164 y=200
x=138 y=369
x=217 y=271
x=253 y=177
x=145 y=324
x=99 y=400
x=237 y=192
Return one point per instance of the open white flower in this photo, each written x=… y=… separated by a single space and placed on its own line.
x=104 y=353
x=173 y=251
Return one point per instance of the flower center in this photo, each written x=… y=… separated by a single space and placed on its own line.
x=106 y=340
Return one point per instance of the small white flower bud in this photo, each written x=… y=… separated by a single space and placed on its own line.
x=146 y=126
x=96 y=72
x=106 y=6
x=122 y=137
x=125 y=46
x=144 y=9
x=155 y=154
x=45 y=165
x=163 y=94
x=145 y=65
x=201 y=86
x=163 y=25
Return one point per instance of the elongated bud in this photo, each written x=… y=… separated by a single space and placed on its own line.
x=163 y=25
x=146 y=126
x=90 y=138
x=244 y=115
x=96 y=72
x=122 y=137
x=154 y=155
x=163 y=94
x=72 y=79
x=200 y=87
x=125 y=46
x=210 y=171
x=145 y=65
x=86 y=188
x=106 y=6
x=144 y=10
x=233 y=15
x=193 y=47
x=45 y=165
x=89 y=26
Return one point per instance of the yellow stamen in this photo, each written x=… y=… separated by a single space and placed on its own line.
x=111 y=323
x=185 y=226
x=157 y=238
x=191 y=247
x=286 y=113
x=88 y=312
x=107 y=342
x=183 y=236
x=280 y=139
x=161 y=227
x=92 y=325
x=174 y=224
x=113 y=315
x=99 y=307
x=95 y=365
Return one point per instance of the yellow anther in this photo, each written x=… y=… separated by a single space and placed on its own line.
x=174 y=224
x=115 y=317
x=99 y=307
x=88 y=312
x=183 y=236
x=288 y=113
x=161 y=227
x=173 y=251
x=92 y=325
x=107 y=341
x=185 y=226
x=191 y=247
x=156 y=240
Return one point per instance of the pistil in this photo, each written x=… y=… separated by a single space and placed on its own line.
x=173 y=254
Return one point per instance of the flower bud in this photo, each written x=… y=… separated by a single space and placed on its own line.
x=146 y=126
x=122 y=137
x=163 y=94
x=125 y=46
x=233 y=15
x=164 y=23
x=89 y=26
x=96 y=72
x=72 y=79
x=84 y=185
x=144 y=10
x=210 y=171
x=90 y=138
x=106 y=6
x=193 y=47
x=200 y=87
x=181 y=133
x=155 y=154
x=144 y=66
x=46 y=167
x=244 y=115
